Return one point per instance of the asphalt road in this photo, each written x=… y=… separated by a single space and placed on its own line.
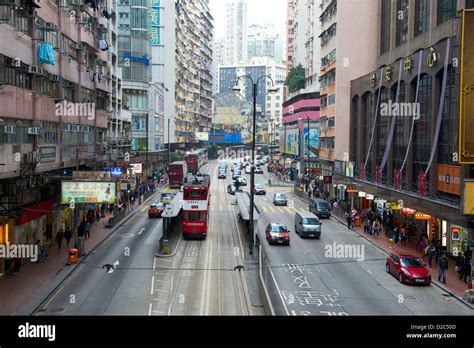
x=198 y=280
x=304 y=280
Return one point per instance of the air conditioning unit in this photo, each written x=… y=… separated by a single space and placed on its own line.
x=48 y=26
x=78 y=47
x=76 y=2
x=85 y=129
x=10 y=129
x=75 y=128
x=66 y=127
x=33 y=130
x=55 y=78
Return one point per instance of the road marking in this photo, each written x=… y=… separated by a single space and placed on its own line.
x=279 y=292
x=159 y=280
x=154 y=263
x=264 y=209
x=289 y=210
x=369 y=271
x=141 y=231
x=281 y=210
x=150 y=308
x=165 y=274
x=271 y=208
x=301 y=209
x=152 y=284
x=156 y=311
x=52 y=298
x=335 y=291
x=161 y=290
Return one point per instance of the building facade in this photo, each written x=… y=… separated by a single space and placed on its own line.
x=409 y=158
x=235 y=37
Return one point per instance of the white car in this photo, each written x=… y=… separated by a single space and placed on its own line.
x=248 y=170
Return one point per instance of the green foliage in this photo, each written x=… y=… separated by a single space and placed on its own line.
x=295 y=79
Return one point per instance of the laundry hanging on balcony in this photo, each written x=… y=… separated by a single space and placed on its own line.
x=103 y=45
x=45 y=53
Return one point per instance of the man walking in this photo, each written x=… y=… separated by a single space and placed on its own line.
x=87 y=229
x=59 y=238
x=68 y=235
x=443 y=268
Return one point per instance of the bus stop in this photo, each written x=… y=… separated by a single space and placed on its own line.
x=171 y=223
x=243 y=201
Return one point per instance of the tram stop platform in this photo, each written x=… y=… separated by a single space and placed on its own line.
x=243 y=201
x=169 y=241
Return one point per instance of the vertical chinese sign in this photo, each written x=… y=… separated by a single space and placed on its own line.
x=155 y=23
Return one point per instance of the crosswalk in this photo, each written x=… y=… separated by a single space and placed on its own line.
x=269 y=208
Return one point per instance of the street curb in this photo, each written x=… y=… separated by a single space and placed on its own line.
x=460 y=299
x=26 y=309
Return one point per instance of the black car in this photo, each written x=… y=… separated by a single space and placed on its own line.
x=241 y=181
x=280 y=199
x=231 y=189
x=235 y=175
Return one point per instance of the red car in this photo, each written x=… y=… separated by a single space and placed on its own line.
x=408 y=269
x=277 y=233
x=259 y=189
x=156 y=210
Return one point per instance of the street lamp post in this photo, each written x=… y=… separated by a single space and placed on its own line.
x=169 y=143
x=252 y=167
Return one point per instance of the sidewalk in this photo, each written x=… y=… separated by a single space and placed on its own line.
x=453 y=284
x=37 y=279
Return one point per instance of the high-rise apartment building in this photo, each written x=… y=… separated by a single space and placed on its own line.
x=265 y=40
x=290 y=34
x=235 y=37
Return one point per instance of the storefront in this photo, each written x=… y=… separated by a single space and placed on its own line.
x=37 y=222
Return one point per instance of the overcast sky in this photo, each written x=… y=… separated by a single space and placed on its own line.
x=270 y=11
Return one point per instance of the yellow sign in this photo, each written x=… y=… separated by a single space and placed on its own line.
x=468 y=207
x=422 y=216
x=466 y=99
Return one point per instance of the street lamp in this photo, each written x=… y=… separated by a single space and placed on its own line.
x=237 y=89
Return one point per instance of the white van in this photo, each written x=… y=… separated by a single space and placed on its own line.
x=307 y=225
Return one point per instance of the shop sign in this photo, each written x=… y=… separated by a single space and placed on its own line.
x=351 y=189
x=362 y=194
x=449 y=179
x=408 y=211
x=394 y=206
x=137 y=168
x=87 y=192
x=338 y=167
x=455 y=233
x=422 y=216
x=369 y=197
x=380 y=200
x=327 y=179
x=91 y=175
x=116 y=171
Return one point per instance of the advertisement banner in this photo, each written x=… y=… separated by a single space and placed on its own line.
x=202 y=136
x=313 y=143
x=92 y=175
x=289 y=141
x=87 y=192
x=466 y=100
x=468 y=206
x=449 y=179
x=225 y=138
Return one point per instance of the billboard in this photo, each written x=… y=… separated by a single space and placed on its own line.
x=468 y=206
x=227 y=115
x=290 y=141
x=202 y=136
x=225 y=138
x=313 y=143
x=466 y=100
x=87 y=192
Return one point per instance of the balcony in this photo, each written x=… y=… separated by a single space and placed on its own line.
x=327 y=154
x=328 y=132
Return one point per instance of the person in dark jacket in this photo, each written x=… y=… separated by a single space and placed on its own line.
x=443 y=268
x=59 y=238
x=465 y=268
x=68 y=235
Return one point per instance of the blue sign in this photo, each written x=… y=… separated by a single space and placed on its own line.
x=225 y=138
x=144 y=59
x=114 y=171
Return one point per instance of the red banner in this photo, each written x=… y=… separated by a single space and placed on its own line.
x=362 y=173
x=422 y=184
x=397 y=179
x=378 y=175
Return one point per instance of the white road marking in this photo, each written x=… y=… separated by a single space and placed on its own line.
x=154 y=263
x=335 y=291
x=279 y=292
x=141 y=231
x=150 y=308
x=161 y=290
x=281 y=211
x=369 y=271
x=165 y=274
x=152 y=284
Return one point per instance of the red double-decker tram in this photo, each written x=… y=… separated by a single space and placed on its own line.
x=196 y=159
x=196 y=206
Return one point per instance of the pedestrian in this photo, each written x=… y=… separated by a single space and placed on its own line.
x=59 y=238
x=376 y=227
x=366 y=225
x=466 y=269
x=438 y=251
x=97 y=215
x=111 y=208
x=430 y=251
x=403 y=236
x=16 y=265
x=349 y=221
x=443 y=268
x=87 y=229
x=68 y=235
x=459 y=264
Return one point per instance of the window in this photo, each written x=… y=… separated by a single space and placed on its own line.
x=422 y=131
x=385 y=27
x=366 y=128
x=446 y=143
x=446 y=9
x=382 y=132
x=402 y=22
x=402 y=131
x=422 y=15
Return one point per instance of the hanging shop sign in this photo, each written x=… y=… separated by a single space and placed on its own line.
x=362 y=194
x=372 y=79
x=455 y=233
x=422 y=216
x=407 y=65
x=327 y=179
x=408 y=211
x=369 y=197
x=137 y=168
x=388 y=73
x=350 y=169
x=394 y=206
x=351 y=189
x=338 y=167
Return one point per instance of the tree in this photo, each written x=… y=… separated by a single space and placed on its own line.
x=295 y=79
